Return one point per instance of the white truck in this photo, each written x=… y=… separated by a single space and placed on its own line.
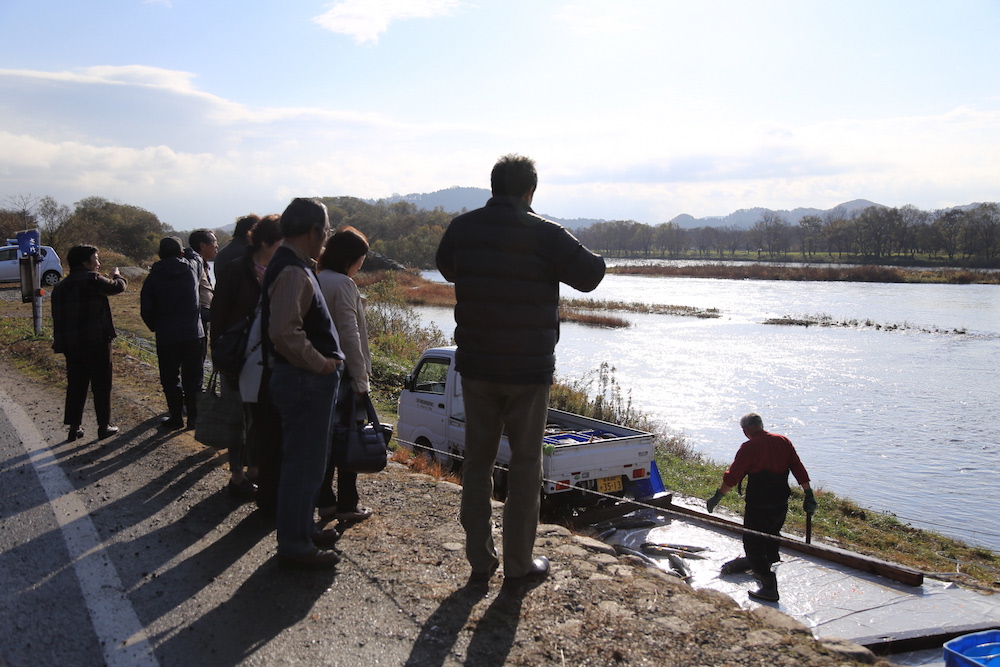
x=578 y=452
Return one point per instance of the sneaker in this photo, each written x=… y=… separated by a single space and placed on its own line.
x=106 y=431
x=357 y=514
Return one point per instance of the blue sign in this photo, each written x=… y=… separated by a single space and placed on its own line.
x=28 y=242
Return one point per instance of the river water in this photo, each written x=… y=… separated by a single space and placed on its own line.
x=904 y=419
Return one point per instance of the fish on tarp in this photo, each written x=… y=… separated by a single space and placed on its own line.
x=607 y=532
x=679 y=566
x=660 y=550
x=626 y=551
x=686 y=547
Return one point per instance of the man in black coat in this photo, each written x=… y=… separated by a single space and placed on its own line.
x=169 y=306
x=82 y=329
x=507 y=264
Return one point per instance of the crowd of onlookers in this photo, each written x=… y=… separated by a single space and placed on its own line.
x=295 y=278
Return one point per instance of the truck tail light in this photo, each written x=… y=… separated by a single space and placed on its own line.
x=563 y=485
x=638 y=473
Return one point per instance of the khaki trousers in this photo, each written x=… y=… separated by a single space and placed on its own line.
x=520 y=411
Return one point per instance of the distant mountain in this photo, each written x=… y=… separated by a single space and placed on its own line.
x=457 y=199
x=452 y=200
x=745 y=218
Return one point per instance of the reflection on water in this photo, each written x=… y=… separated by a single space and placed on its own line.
x=903 y=421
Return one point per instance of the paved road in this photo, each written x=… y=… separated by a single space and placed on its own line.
x=129 y=552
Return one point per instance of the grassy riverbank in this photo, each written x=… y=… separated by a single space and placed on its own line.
x=396 y=341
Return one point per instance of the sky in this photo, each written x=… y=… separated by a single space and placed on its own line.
x=203 y=110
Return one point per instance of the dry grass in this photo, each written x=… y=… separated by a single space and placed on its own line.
x=592 y=319
x=420 y=462
x=871 y=274
x=637 y=307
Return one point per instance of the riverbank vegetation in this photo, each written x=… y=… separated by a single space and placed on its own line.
x=828 y=321
x=772 y=271
x=397 y=340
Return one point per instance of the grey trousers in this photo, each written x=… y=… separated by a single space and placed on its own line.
x=520 y=410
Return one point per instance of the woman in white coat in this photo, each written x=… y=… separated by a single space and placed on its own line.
x=342 y=257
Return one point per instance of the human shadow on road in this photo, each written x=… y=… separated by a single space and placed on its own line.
x=440 y=632
x=162 y=592
x=269 y=602
x=494 y=635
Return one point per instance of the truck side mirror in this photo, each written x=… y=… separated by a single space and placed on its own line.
x=408 y=383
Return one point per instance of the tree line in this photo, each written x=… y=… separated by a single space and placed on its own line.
x=123 y=229
x=969 y=237
x=408 y=234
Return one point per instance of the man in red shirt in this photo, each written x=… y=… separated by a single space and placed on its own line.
x=766 y=459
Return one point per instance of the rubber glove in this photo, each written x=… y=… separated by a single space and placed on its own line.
x=809 y=505
x=713 y=501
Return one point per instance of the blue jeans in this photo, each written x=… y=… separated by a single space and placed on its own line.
x=305 y=401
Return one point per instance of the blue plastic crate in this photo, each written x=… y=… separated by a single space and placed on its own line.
x=980 y=649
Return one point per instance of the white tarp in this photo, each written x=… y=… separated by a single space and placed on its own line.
x=833 y=600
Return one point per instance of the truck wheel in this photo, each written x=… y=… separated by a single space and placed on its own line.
x=500 y=484
x=423 y=446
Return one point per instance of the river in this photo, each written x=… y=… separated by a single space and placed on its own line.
x=900 y=418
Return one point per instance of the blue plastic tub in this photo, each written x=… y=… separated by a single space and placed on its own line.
x=980 y=649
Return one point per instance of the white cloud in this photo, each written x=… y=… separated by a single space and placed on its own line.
x=365 y=20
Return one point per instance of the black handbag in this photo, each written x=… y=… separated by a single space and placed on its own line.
x=229 y=350
x=361 y=444
x=220 y=422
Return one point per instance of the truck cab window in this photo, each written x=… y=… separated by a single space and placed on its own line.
x=431 y=377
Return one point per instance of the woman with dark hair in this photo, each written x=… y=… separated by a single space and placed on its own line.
x=237 y=291
x=82 y=329
x=342 y=258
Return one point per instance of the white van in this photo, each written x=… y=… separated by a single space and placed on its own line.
x=579 y=452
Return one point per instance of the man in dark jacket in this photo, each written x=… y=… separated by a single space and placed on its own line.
x=169 y=306
x=82 y=329
x=507 y=263
x=765 y=459
x=238 y=245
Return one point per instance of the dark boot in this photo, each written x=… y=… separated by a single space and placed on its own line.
x=191 y=403
x=768 y=591
x=175 y=407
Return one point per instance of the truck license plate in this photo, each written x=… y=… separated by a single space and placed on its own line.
x=609 y=484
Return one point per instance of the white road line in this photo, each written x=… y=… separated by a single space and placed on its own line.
x=121 y=635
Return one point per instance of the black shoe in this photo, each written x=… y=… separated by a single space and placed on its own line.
x=736 y=566
x=172 y=423
x=536 y=574
x=75 y=432
x=325 y=539
x=245 y=490
x=764 y=594
x=768 y=591
x=316 y=560
x=483 y=577
x=106 y=432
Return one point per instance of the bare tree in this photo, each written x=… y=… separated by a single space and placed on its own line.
x=52 y=217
